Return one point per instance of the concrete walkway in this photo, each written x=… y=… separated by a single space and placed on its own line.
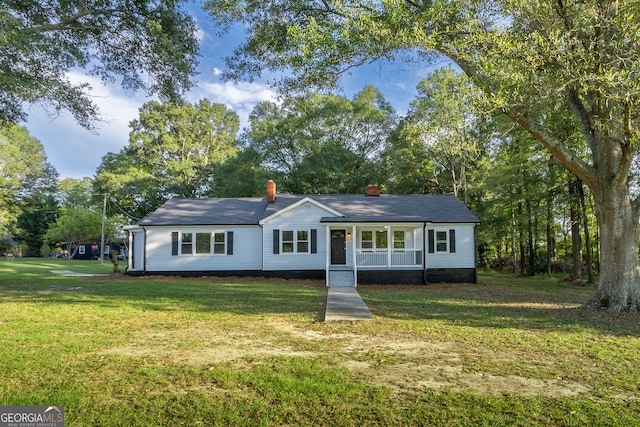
x=71 y=273
x=344 y=303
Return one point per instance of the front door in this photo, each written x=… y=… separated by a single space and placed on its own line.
x=338 y=247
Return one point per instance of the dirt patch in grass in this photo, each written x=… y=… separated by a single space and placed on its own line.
x=405 y=366
x=415 y=376
x=509 y=341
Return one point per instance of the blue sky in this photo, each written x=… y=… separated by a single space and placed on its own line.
x=76 y=152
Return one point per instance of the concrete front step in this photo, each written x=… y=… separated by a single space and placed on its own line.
x=341 y=278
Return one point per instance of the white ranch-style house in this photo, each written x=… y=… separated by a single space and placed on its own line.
x=344 y=239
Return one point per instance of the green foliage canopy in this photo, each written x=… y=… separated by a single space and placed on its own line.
x=322 y=143
x=25 y=173
x=174 y=151
x=147 y=44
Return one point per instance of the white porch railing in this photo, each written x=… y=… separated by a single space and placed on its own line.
x=388 y=257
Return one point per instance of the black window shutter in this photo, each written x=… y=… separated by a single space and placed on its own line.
x=432 y=242
x=314 y=239
x=276 y=241
x=174 y=243
x=452 y=241
x=229 y=242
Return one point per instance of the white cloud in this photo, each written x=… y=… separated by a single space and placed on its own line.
x=239 y=97
x=74 y=151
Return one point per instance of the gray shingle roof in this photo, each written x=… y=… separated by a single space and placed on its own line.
x=207 y=212
x=444 y=208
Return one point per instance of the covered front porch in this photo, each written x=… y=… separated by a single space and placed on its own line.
x=354 y=248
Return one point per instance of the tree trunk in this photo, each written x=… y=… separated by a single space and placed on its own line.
x=619 y=285
x=576 y=239
x=587 y=237
x=532 y=248
x=523 y=263
x=550 y=239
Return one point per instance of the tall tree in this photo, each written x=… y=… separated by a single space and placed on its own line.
x=147 y=44
x=530 y=57
x=38 y=214
x=411 y=170
x=241 y=176
x=25 y=174
x=443 y=116
x=322 y=143
x=442 y=136
x=173 y=151
x=77 y=193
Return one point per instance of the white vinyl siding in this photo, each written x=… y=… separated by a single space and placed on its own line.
x=247 y=254
x=300 y=221
x=464 y=255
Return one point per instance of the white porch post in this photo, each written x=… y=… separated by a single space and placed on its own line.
x=327 y=246
x=355 y=258
x=389 y=249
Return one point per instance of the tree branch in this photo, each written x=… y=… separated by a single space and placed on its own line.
x=576 y=165
x=63 y=24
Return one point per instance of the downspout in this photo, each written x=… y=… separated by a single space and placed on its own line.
x=475 y=254
x=261 y=249
x=144 y=250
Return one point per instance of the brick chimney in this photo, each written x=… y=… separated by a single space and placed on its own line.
x=373 y=190
x=271 y=191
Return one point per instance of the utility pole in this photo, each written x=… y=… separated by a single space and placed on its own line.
x=104 y=214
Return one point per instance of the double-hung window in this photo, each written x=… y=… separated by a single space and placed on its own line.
x=219 y=243
x=441 y=241
x=378 y=239
x=186 y=245
x=381 y=239
x=302 y=245
x=295 y=241
x=370 y=239
x=202 y=243
x=398 y=239
x=366 y=239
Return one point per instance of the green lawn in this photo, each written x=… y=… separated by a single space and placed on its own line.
x=154 y=351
